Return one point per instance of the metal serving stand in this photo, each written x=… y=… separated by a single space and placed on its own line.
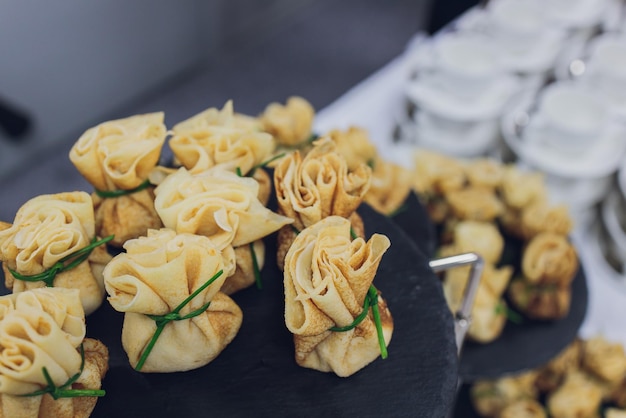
x=463 y=317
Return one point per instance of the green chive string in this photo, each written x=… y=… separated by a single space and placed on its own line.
x=371 y=301
x=511 y=315
x=312 y=138
x=265 y=163
x=238 y=171
x=117 y=193
x=255 y=265
x=357 y=320
x=162 y=320
x=373 y=294
x=58 y=392
x=353 y=234
x=72 y=260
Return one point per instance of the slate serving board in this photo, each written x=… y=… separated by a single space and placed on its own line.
x=256 y=375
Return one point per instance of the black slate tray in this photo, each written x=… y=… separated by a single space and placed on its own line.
x=256 y=375
x=521 y=346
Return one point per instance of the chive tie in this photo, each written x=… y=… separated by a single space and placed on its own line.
x=265 y=163
x=371 y=301
x=162 y=320
x=72 y=260
x=58 y=392
x=255 y=266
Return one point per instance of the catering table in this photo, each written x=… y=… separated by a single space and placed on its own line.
x=376 y=104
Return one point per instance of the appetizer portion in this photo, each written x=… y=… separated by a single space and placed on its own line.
x=223 y=206
x=116 y=158
x=588 y=376
x=168 y=286
x=290 y=124
x=316 y=186
x=47 y=367
x=52 y=242
x=391 y=183
x=549 y=264
x=339 y=320
x=502 y=213
x=220 y=138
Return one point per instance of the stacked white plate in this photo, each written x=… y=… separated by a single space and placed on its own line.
x=569 y=133
x=459 y=87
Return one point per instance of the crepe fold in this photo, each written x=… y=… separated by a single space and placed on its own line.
x=390 y=187
x=327 y=276
x=317 y=186
x=46 y=229
x=218 y=138
x=43 y=328
x=218 y=204
x=155 y=275
x=119 y=155
x=549 y=259
x=244 y=275
x=291 y=124
x=355 y=146
x=474 y=203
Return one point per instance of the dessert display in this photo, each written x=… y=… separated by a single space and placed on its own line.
x=478 y=205
x=187 y=240
x=532 y=295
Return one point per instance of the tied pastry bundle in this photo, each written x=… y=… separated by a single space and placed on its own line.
x=290 y=124
x=223 y=206
x=319 y=185
x=220 y=138
x=52 y=242
x=390 y=184
x=47 y=366
x=328 y=294
x=116 y=158
x=225 y=139
x=168 y=286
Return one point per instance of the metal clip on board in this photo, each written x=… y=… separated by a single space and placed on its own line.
x=463 y=317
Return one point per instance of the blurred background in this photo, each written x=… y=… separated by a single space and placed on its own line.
x=69 y=65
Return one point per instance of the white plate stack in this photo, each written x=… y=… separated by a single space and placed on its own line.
x=464 y=78
x=568 y=132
